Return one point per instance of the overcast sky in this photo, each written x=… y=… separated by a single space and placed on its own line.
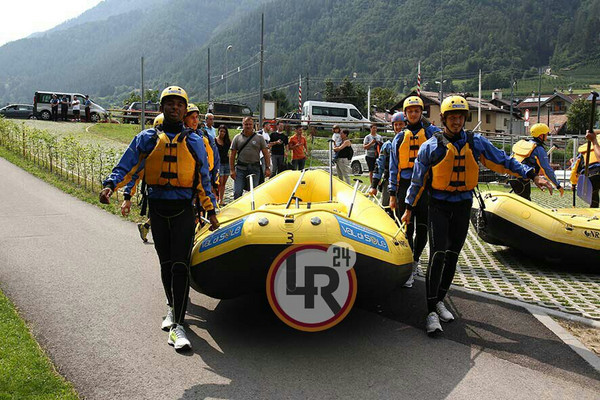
x=21 y=18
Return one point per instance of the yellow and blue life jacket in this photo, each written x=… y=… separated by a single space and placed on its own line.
x=457 y=170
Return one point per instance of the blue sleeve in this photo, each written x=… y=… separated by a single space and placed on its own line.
x=207 y=198
x=430 y=130
x=497 y=160
x=380 y=162
x=131 y=160
x=214 y=174
x=420 y=172
x=393 y=179
x=542 y=158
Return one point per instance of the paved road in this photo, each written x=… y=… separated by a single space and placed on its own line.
x=92 y=294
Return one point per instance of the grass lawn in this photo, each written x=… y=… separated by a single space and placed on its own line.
x=26 y=370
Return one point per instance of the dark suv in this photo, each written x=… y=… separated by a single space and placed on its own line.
x=229 y=114
x=132 y=113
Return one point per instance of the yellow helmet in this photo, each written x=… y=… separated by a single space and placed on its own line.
x=159 y=119
x=174 y=91
x=191 y=108
x=454 y=103
x=539 y=129
x=412 y=101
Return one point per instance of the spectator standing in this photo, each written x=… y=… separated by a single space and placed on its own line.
x=244 y=159
x=372 y=144
x=265 y=133
x=223 y=145
x=64 y=107
x=298 y=147
x=54 y=107
x=76 y=104
x=209 y=121
x=87 y=104
x=278 y=144
x=344 y=154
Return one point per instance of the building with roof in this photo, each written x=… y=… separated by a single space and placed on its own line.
x=494 y=119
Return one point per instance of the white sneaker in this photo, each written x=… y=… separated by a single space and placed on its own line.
x=168 y=321
x=177 y=338
x=432 y=324
x=442 y=311
x=411 y=279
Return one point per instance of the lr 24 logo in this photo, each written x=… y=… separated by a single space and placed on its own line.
x=312 y=287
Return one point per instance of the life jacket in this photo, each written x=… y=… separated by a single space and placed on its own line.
x=456 y=171
x=521 y=152
x=523 y=149
x=209 y=153
x=583 y=151
x=409 y=148
x=171 y=163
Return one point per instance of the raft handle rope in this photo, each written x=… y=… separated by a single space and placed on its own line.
x=533 y=205
x=279 y=214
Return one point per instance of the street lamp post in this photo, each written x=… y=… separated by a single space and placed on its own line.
x=441 y=89
x=226 y=69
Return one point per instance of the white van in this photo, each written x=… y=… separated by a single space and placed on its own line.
x=327 y=114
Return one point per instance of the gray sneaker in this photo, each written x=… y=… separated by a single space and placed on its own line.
x=432 y=324
x=442 y=311
x=178 y=339
x=168 y=321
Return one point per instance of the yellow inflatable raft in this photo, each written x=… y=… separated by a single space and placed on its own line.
x=291 y=209
x=566 y=235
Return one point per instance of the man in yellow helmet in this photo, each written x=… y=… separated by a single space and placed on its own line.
x=447 y=164
x=593 y=168
x=405 y=147
x=175 y=169
x=532 y=153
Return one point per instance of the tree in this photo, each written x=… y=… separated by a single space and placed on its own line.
x=384 y=98
x=347 y=92
x=578 y=116
x=283 y=104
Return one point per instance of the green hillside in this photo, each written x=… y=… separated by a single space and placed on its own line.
x=379 y=41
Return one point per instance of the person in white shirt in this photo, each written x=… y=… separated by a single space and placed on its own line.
x=264 y=132
x=76 y=104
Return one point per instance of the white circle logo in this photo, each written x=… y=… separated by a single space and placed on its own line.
x=313 y=287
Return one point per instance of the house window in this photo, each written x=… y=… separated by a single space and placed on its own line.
x=488 y=118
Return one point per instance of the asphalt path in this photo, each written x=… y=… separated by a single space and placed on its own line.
x=91 y=292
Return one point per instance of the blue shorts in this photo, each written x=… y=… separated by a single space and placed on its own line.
x=224 y=169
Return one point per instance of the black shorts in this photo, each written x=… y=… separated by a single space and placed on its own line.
x=371 y=163
x=76 y=113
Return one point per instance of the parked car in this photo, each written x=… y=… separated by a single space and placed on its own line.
x=21 y=111
x=359 y=164
x=43 y=110
x=133 y=112
x=324 y=114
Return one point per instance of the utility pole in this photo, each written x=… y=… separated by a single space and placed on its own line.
x=307 y=87
x=442 y=79
x=260 y=94
x=510 y=123
x=208 y=77
x=143 y=118
x=539 y=95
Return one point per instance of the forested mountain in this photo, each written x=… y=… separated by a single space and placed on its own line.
x=381 y=41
